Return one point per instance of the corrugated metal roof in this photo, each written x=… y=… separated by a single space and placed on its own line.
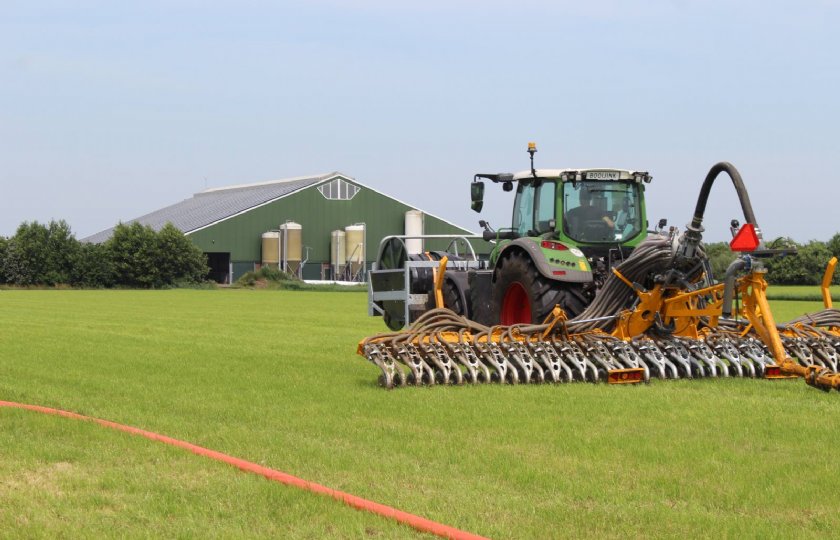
x=216 y=204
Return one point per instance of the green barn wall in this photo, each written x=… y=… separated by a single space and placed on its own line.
x=382 y=215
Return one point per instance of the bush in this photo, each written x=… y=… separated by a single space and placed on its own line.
x=720 y=257
x=135 y=256
x=178 y=259
x=93 y=267
x=833 y=245
x=4 y=246
x=274 y=276
x=131 y=249
x=805 y=268
x=142 y=258
x=40 y=254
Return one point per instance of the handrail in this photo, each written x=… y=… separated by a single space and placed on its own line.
x=454 y=238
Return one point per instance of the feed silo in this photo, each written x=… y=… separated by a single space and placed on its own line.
x=271 y=249
x=338 y=253
x=355 y=238
x=291 y=246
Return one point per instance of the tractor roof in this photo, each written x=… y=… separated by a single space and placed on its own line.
x=599 y=173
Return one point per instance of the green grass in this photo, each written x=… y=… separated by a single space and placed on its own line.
x=785 y=310
x=272 y=377
x=801 y=292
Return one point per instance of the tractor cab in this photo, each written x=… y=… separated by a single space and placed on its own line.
x=569 y=228
x=581 y=207
x=601 y=212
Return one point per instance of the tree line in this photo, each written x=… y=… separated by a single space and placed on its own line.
x=806 y=267
x=135 y=256
x=138 y=256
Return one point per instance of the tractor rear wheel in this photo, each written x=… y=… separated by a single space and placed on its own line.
x=522 y=295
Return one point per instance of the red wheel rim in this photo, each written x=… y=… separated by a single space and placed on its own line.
x=516 y=308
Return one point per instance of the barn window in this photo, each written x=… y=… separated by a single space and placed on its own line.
x=339 y=189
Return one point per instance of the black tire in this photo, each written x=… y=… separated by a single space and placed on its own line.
x=391 y=322
x=455 y=297
x=480 y=291
x=517 y=282
x=452 y=299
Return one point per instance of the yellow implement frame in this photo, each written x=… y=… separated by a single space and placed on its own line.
x=680 y=312
x=826 y=282
x=685 y=314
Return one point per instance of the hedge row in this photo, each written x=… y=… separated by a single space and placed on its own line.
x=805 y=267
x=135 y=256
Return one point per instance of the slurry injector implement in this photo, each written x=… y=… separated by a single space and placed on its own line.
x=578 y=290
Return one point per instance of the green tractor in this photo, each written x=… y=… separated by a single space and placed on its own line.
x=569 y=228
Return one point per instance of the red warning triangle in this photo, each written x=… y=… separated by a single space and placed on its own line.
x=745 y=239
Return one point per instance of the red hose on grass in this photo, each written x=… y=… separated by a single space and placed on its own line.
x=419 y=523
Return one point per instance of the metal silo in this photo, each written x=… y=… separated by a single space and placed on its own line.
x=338 y=253
x=355 y=250
x=291 y=246
x=271 y=249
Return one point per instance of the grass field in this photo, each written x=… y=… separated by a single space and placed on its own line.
x=811 y=293
x=272 y=377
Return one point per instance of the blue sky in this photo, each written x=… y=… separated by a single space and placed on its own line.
x=110 y=110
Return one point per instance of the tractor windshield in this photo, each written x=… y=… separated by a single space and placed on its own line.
x=533 y=210
x=596 y=211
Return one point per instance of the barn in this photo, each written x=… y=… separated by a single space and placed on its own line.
x=320 y=227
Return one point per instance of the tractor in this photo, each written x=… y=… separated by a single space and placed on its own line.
x=579 y=289
x=569 y=228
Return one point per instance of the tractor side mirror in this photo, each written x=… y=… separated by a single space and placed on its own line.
x=477 y=196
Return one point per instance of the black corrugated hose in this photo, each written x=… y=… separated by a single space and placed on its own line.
x=651 y=257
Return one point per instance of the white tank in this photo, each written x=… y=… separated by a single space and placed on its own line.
x=271 y=249
x=338 y=252
x=291 y=245
x=414 y=227
x=355 y=236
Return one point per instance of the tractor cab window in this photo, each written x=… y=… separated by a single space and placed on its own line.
x=533 y=209
x=597 y=211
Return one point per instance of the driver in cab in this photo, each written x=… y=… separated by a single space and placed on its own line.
x=586 y=219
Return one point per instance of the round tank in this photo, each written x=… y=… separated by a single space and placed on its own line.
x=338 y=250
x=355 y=248
x=271 y=249
x=414 y=227
x=291 y=245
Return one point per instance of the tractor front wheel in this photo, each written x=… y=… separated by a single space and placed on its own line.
x=522 y=295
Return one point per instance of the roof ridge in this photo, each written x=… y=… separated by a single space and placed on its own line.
x=202 y=211
x=312 y=177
